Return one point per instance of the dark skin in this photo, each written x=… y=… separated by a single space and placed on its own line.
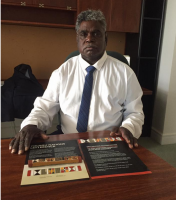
x=22 y=140
x=126 y=134
x=91 y=42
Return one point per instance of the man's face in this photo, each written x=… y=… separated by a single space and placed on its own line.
x=91 y=41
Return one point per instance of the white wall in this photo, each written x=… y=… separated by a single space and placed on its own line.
x=164 y=118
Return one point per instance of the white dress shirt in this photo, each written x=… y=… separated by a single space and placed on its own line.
x=115 y=101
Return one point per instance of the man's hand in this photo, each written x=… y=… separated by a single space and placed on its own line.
x=126 y=134
x=22 y=140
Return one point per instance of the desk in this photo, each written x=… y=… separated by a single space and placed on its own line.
x=160 y=185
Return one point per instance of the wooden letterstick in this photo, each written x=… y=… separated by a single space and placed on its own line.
x=54 y=161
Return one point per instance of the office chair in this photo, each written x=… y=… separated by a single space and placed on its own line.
x=114 y=54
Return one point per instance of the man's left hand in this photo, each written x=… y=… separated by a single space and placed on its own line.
x=126 y=134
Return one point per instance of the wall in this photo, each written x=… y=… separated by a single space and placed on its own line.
x=44 y=49
x=164 y=118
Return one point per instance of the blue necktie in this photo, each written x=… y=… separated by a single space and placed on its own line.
x=85 y=101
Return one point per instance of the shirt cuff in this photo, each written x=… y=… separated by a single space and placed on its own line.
x=23 y=124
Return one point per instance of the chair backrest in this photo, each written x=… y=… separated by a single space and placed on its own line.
x=114 y=54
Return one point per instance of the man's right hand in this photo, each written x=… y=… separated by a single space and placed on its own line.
x=22 y=140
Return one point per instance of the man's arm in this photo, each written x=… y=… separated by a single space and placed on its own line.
x=40 y=118
x=133 y=117
x=47 y=106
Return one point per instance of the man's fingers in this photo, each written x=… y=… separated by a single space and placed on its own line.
x=27 y=141
x=115 y=132
x=129 y=140
x=15 y=145
x=115 y=129
x=128 y=137
x=112 y=134
x=11 y=143
x=29 y=138
x=22 y=142
x=126 y=134
x=44 y=136
x=21 y=146
x=135 y=142
x=132 y=142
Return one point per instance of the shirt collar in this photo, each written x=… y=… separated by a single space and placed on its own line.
x=97 y=65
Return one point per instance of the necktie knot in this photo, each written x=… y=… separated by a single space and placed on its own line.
x=90 y=69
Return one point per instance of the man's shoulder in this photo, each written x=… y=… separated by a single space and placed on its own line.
x=71 y=60
x=118 y=65
x=67 y=64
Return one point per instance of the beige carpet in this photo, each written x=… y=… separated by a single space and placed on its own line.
x=166 y=152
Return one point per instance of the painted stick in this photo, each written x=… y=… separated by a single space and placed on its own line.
x=54 y=161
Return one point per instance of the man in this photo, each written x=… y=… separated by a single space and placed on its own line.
x=115 y=100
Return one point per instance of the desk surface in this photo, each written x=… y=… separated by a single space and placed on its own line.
x=160 y=185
